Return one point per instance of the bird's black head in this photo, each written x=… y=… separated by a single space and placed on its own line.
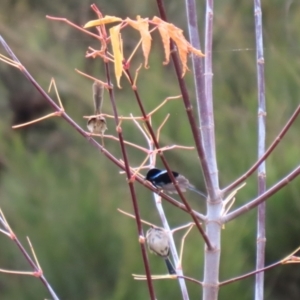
x=152 y=173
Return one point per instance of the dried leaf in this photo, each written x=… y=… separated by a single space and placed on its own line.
x=116 y=43
x=182 y=45
x=164 y=33
x=195 y=51
x=142 y=26
x=167 y=31
x=105 y=20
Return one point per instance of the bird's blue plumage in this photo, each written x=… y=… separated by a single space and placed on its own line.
x=158 y=174
x=161 y=178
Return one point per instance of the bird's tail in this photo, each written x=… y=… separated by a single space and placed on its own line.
x=192 y=188
x=98 y=90
x=170 y=266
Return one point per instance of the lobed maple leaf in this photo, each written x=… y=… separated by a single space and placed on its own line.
x=170 y=31
x=142 y=25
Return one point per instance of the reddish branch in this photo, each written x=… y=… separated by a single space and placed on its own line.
x=266 y=154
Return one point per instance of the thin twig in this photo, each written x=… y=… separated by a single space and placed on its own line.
x=288 y=259
x=249 y=274
x=134 y=217
x=54 y=114
x=52 y=83
x=168 y=276
x=271 y=191
x=37 y=271
x=267 y=153
x=74 y=25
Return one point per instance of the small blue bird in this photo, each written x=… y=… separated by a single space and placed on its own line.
x=161 y=179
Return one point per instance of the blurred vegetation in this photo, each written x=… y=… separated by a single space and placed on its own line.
x=56 y=189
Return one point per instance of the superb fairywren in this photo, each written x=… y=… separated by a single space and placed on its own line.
x=161 y=179
x=97 y=124
x=158 y=242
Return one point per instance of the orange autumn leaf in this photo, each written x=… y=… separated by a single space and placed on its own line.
x=116 y=43
x=102 y=21
x=164 y=33
x=167 y=31
x=182 y=45
x=142 y=26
